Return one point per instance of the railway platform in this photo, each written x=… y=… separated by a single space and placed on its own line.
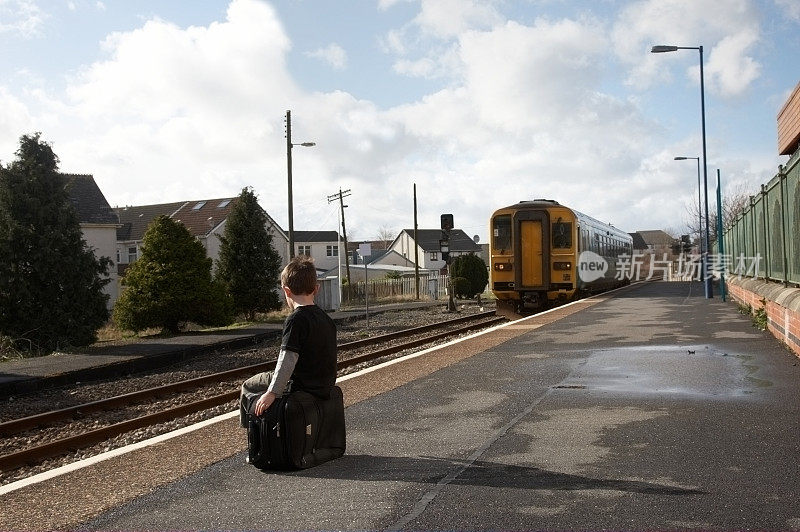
x=108 y=361
x=647 y=408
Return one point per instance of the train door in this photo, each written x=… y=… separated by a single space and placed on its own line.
x=532 y=250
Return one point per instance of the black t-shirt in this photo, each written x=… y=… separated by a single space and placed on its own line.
x=311 y=333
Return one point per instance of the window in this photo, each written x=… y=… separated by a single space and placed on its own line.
x=562 y=234
x=332 y=251
x=434 y=255
x=132 y=255
x=198 y=206
x=223 y=204
x=304 y=250
x=502 y=234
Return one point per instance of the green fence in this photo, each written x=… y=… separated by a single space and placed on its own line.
x=767 y=233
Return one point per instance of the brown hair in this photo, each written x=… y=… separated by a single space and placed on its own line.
x=300 y=275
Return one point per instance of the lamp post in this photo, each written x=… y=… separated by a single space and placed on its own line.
x=659 y=49
x=699 y=200
x=289 y=147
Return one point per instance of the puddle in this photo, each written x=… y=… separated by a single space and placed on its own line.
x=690 y=370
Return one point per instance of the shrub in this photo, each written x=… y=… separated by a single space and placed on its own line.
x=171 y=283
x=473 y=269
x=461 y=287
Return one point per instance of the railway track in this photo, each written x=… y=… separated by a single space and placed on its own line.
x=38 y=453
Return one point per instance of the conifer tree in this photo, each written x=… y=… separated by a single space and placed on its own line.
x=248 y=265
x=170 y=284
x=51 y=284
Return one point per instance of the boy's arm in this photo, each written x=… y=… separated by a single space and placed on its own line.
x=280 y=377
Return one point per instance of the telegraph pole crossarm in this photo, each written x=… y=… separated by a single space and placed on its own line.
x=340 y=196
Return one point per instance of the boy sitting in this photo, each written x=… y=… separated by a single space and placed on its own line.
x=308 y=347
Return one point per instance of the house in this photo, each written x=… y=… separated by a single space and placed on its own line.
x=205 y=220
x=377 y=247
x=98 y=222
x=428 y=248
x=638 y=243
x=657 y=242
x=322 y=246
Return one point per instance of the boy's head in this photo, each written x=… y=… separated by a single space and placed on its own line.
x=300 y=276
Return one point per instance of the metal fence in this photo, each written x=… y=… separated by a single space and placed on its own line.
x=769 y=229
x=430 y=287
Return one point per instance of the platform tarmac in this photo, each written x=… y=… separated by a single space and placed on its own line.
x=652 y=409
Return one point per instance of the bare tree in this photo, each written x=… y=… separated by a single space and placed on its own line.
x=734 y=201
x=386 y=234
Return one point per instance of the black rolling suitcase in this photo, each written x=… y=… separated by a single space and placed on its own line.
x=297 y=431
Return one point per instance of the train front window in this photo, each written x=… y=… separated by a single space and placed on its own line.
x=562 y=234
x=501 y=234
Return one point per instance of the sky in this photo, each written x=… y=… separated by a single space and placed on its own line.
x=479 y=103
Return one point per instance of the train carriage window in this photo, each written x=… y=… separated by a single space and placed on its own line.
x=501 y=234
x=562 y=234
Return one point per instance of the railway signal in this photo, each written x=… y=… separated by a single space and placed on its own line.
x=444 y=247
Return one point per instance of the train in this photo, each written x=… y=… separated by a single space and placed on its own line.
x=543 y=254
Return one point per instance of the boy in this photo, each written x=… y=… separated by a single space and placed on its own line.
x=308 y=347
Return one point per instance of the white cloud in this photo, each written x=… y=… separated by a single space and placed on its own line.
x=728 y=30
x=383 y=5
x=434 y=31
x=333 y=54
x=451 y=18
x=521 y=112
x=176 y=113
x=15 y=120
x=730 y=70
x=421 y=68
x=524 y=76
x=21 y=17
x=790 y=7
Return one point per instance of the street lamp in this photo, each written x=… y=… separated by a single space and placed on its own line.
x=289 y=147
x=699 y=199
x=668 y=48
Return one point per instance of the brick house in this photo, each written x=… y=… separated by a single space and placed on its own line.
x=205 y=220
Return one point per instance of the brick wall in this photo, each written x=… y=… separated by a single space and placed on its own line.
x=782 y=305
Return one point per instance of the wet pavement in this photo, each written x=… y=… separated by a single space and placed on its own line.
x=657 y=409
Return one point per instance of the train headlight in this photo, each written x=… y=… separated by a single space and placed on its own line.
x=502 y=266
x=562 y=265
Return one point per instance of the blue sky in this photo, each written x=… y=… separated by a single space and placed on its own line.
x=480 y=103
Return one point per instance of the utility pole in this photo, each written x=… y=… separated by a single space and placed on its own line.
x=340 y=196
x=289 y=174
x=289 y=146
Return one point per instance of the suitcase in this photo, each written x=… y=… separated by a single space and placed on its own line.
x=297 y=431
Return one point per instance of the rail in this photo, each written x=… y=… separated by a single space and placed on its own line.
x=37 y=454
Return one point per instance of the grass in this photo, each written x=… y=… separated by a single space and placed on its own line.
x=758 y=315
x=760 y=318
x=110 y=332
